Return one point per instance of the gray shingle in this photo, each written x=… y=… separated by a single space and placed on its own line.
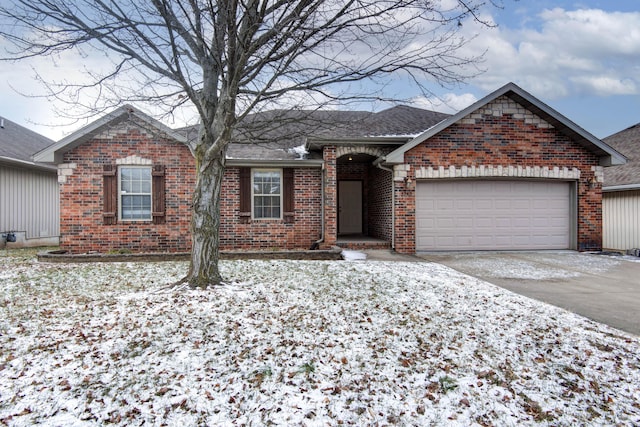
x=626 y=142
x=272 y=135
x=20 y=143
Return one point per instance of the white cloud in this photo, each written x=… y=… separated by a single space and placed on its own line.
x=602 y=85
x=584 y=51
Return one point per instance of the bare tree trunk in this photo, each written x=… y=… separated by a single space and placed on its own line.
x=205 y=224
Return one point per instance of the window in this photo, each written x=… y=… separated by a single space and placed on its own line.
x=267 y=193
x=135 y=193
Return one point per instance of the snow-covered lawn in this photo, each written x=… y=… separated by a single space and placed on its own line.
x=299 y=343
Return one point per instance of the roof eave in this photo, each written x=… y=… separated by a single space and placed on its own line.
x=319 y=143
x=623 y=187
x=55 y=152
x=608 y=156
x=282 y=163
x=26 y=164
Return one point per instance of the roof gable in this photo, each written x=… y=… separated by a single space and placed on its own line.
x=18 y=144
x=55 y=152
x=626 y=176
x=608 y=156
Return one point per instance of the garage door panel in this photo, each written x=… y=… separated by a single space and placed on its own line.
x=483 y=204
x=464 y=222
x=493 y=215
x=483 y=223
x=424 y=204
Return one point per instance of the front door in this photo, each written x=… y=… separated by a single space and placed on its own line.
x=349 y=207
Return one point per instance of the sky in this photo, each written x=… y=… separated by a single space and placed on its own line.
x=582 y=58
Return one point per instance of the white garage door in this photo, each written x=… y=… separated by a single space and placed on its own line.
x=492 y=215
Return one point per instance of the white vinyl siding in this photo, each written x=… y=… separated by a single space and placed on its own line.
x=492 y=215
x=621 y=220
x=29 y=202
x=266 y=197
x=134 y=193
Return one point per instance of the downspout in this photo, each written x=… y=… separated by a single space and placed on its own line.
x=378 y=163
x=316 y=244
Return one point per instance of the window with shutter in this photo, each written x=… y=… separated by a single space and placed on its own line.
x=267 y=194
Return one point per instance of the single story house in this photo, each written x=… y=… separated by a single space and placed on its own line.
x=508 y=173
x=621 y=193
x=29 y=204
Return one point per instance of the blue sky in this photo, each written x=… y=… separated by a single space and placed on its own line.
x=580 y=57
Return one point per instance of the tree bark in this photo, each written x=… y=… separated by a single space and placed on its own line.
x=205 y=223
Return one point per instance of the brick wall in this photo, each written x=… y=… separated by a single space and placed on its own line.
x=81 y=198
x=380 y=208
x=330 y=196
x=502 y=134
x=81 y=194
x=267 y=233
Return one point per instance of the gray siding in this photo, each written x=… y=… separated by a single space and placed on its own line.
x=621 y=220
x=29 y=202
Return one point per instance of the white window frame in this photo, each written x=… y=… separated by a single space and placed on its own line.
x=120 y=193
x=253 y=195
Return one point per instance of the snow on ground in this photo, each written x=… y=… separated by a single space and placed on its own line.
x=537 y=265
x=309 y=343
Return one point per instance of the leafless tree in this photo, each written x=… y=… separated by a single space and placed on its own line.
x=229 y=58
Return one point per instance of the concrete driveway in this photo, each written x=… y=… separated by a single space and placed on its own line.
x=603 y=288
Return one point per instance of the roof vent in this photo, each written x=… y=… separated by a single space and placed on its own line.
x=1 y=123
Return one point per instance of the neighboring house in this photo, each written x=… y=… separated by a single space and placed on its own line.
x=507 y=172
x=621 y=193
x=29 y=204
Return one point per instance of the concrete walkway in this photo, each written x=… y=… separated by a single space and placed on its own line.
x=603 y=288
x=389 y=255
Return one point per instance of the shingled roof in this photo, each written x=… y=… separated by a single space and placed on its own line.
x=626 y=176
x=18 y=144
x=280 y=134
x=276 y=135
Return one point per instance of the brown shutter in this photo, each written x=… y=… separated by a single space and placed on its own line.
x=245 y=195
x=110 y=180
x=159 y=215
x=287 y=194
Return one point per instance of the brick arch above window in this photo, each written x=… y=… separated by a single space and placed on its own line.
x=359 y=149
x=134 y=161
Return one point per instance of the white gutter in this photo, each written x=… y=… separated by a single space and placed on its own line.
x=25 y=163
x=621 y=187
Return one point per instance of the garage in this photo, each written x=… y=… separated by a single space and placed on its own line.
x=493 y=215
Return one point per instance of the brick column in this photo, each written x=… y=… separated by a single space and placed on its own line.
x=404 y=186
x=590 y=208
x=330 y=196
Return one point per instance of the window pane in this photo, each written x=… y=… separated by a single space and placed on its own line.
x=135 y=193
x=266 y=194
x=136 y=207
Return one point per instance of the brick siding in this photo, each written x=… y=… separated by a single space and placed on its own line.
x=273 y=234
x=502 y=134
x=81 y=198
x=380 y=207
x=81 y=195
